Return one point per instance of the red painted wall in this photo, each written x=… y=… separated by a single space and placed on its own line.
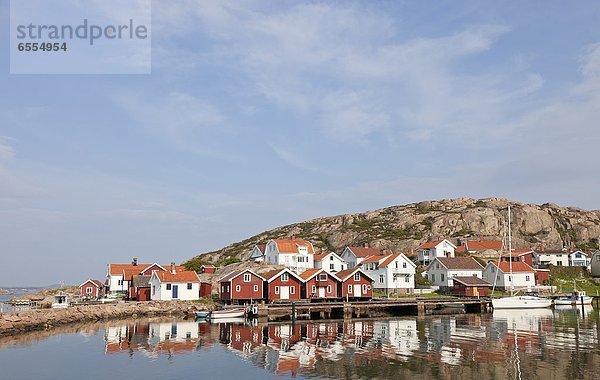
x=205 y=289
x=246 y=291
x=307 y=288
x=469 y=291
x=148 y=272
x=363 y=281
x=542 y=277
x=292 y=282
x=96 y=292
x=143 y=294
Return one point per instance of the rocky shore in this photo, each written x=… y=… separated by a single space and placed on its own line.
x=40 y=319
x=4 y=292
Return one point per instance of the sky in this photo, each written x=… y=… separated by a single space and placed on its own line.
x=264 y=113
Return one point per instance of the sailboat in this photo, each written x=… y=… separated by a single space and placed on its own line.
x=578 y=297
x=518 y=302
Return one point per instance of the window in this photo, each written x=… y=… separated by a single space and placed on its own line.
x=328 y=288
x=332 y=266
x=238 y=288
x=247 y=277
x=88 y=290
x=407 y=279
x=356 y=276
x=559 y=263
x=526 y=278
x=433 y=277
x=292 y=289
x=153 y=289
x=331 y=258
x=285 y=277
x=277 y=290
x=442 y=277
x=189 y=286
x=313 y=290
x=381 y=279
x=509 y=278
x=364 y=288
x=120 y=282
x=396 y=264
x=349 y=288
x=404 y=264
x=168 y=286
x=437 y=266
x=222 y=289
x=323 y=277
x=256 y=288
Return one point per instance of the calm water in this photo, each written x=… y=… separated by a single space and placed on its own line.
x=505 y=345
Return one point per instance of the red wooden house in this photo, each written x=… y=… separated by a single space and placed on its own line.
x=92 y=289
x=319 y=284
x=354 y=284
x=205 y=289
x=470 y=286
x=208 y=269
x=241 y=286
x=282 y=284
x=140 y=288
x=523 y=255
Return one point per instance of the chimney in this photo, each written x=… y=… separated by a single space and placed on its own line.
x=134 y=261
x=366 y=245
x=173 y=270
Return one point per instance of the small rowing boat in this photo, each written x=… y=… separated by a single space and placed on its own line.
x=232 y=313
x=202 y=314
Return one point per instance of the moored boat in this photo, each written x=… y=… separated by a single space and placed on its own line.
x=61 y=301
x=577 y=298
x=202 y=314
x=231 y=313
x=521 y=302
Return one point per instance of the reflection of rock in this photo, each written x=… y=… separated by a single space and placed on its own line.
x=4 y=292
x=13 y=323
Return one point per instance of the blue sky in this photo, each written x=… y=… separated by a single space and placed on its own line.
x=259 y=114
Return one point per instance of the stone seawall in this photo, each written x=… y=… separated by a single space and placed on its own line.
x=15 y=323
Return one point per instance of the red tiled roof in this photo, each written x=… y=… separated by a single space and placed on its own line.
x=471 y=280
x=482 y=245
x=309 y=273
x=372 y=259
x=389 y=259
x=518 y=252
x=186 y=276
x=262 y=247
x=129 y=270
x=323 y=255
x=454 y=263
x=517 y=266
x=291 y=245
x=430 y=244
x=365 y=251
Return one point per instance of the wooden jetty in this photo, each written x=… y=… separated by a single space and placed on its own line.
x=368 y=309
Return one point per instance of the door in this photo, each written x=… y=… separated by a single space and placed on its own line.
x=284 y=292
x=357 y=290
x=322 y=292
x=175 y=291
x=475 y=292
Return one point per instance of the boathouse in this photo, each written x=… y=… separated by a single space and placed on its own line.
x=241 y=286
x=318 y=283
x=354 y=284
x=91 y=289
x=470 y=286
x=282 y=284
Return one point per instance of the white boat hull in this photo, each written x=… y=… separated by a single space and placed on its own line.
x=572 y=301
x=235 y=313
x=521 y=302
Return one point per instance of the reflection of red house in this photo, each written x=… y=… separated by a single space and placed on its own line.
x=282 y=284
x=92 y=289
x=319 y=284
x=354 y=284
x=244 y=338
x=241 y=286
x=470 y=286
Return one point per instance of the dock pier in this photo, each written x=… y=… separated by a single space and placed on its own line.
x=302 y=310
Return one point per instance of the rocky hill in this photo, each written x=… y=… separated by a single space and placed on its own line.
x=406 y=227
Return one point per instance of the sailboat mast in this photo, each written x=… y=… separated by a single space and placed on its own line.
x=512 y=287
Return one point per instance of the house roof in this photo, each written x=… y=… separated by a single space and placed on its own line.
x=471 y=281
x=273 y=274
x=310 y=273
x=482 y=245
x=552 y=252
x=323 y=255
x=291 y=245
x=518 y=252
x=517 y=266
x=343 y=275
x=433 y=244
x=94 y=282
x=185 y=276
x=129 y=270
x=455 y=263
x=140 y=281
x=372 y=259
x=261 y=247
x=365 y=251
x=234 y=274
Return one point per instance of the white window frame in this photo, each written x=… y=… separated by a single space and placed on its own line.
x=357 y=276
x=292 y=289
x=313 y=289
x=255 y=288
x=381 y=279
x=350 y=288
x=285 y=277
x=277 y=290
x=364 y=288
x=322 y=276
x=328 y=288
x=247 y=277
x=88 y=290
x=238 y=288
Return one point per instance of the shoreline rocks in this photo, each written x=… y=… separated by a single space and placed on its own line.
x=40 y=319
x=5 y=292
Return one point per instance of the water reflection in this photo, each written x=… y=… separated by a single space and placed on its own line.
x=507 y=344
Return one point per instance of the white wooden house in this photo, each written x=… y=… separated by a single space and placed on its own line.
x=426 y=252
x=295 y=254
x=579 y=259
x=558 y=258
x=355 y=255
x=171 y=285
x=522 y=277
x=442 y=269
x=330 y=262
x=258 y=253
x=391 y=273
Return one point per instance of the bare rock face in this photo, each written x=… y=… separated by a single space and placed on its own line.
x=404 y=228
